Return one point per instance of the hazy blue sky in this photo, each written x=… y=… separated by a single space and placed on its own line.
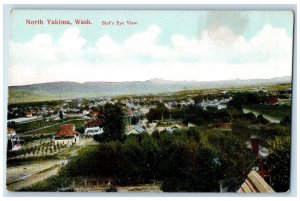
x=174 y=45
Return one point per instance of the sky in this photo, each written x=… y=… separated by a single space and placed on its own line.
x=171 y=45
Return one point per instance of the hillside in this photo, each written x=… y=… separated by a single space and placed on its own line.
x=66 y=90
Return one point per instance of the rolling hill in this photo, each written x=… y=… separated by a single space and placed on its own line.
x=68 y=90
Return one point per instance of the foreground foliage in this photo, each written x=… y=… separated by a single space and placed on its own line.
x=192 y=160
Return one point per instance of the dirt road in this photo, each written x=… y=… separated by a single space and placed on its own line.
x=269 y=118
x=32 y=178
x=21 y=176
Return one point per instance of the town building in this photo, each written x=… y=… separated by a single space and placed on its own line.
x=13 y=141
x=254 y=183
x=67 y=135
x=93 y=128
x=137 y=129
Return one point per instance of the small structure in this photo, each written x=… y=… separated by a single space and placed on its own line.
x=16 y=147
x=191 y=125
x=273 y=100
x=11 y=133
x=224 y=125
x=169 y=128
x=13 y=140
x=94 y=114
x=137 y=129
x=28 y=114
x=66 y=135
x=172 y=129
x=93 y=128
x=254 y=183
x=85 y=112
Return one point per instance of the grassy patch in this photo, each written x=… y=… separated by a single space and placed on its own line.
x=53 y=129
x=276 y=111
x=22 y=161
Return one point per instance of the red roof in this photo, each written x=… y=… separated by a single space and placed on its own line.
x=94 y=113
x=66 y=130
x=93 y=123
x=273 y=100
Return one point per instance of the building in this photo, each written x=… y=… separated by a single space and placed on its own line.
x=85 y=112
x=254 y=183
x=224 y=126
x=137 y=129
x=93 y=128
x=13 y=140
x=11 y=133
x=172 y=129
x=28 y=114
x=273 y=100
x=66 y=135
x=16 y=147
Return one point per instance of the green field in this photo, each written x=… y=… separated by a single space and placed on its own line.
x=53 y=129
x=276 y=111
x=285 y=102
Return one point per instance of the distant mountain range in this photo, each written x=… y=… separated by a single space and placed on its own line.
x=66 y=90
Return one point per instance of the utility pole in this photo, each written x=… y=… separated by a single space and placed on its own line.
x=221 y=186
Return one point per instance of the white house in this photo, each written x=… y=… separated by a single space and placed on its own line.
x=13 y=139
x=85 y=112
x=16 y=147
x=93 y=128
x=173 y=128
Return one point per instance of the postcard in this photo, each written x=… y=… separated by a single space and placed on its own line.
x=149 y=101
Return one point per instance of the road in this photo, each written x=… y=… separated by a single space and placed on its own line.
x=32 y=178
x=269 y=118
x=21 y=176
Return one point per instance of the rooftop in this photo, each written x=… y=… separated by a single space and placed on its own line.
x=254 y=183
x=66 y=130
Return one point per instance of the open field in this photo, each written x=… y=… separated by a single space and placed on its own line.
x=276 y=111
x=287 y=102
x=53 y=129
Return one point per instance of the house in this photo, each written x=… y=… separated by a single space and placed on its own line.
x=11 y=133
x=172 y=129
x=137 y=129
x=94 y=114
x=273 y=100
x=16 y=147
x=28 y=114
x=93 y=128
x=66 y=135
x=85 y=112
x=13 y=140
x=191 y=125
x=254 y=183
x=224 y=126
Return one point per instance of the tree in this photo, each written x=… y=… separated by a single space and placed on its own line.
x=159 y=113
x=279 y=160
x=286 y=120
x=112 y=121
x=61 y=114
x=9 y=144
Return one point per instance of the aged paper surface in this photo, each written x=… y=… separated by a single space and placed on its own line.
x=149 y=101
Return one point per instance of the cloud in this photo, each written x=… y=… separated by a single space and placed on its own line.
x=140 y=57
x=224 y=27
